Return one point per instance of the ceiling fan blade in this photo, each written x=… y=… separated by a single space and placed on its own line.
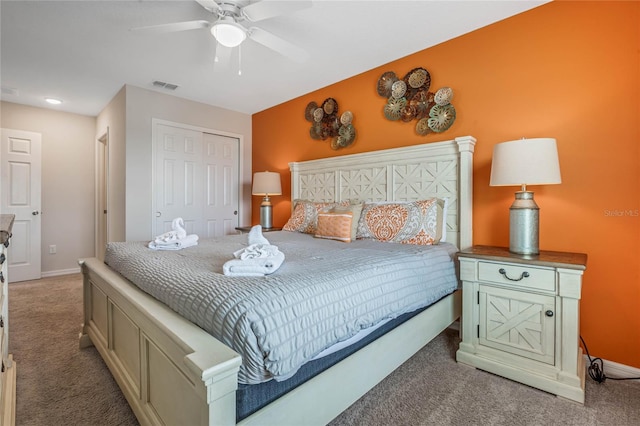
x=173 y=27
x=266 y=9
x=278 y=44
x=210 y=5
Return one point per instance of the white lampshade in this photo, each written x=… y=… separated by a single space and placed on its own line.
x=266 y=183
x=228 y=32
x=525 y=162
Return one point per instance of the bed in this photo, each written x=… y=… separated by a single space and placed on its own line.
x=174 y=372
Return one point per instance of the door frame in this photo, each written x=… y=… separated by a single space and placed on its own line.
x=155 y=122
x=102 y=191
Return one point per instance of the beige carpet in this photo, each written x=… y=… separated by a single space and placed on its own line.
x=59 y=384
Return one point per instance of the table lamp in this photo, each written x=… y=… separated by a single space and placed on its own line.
x=521 y=163
x=266 y=184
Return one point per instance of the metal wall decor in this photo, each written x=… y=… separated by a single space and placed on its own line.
x=409 y=99
x=327 y=123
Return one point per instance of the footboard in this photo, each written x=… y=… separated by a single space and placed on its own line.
x=170 y=371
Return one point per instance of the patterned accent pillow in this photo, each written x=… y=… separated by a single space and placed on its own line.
x=335 y=226
x=305 y=216
x=416 y=222
x=356 y=211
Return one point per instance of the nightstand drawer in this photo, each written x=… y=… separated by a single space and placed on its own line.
x=516 y=275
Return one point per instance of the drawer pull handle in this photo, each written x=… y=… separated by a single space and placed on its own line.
x=525 y=274
x=549 y=313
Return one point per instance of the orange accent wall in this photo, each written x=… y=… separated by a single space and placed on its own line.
x=568 y=70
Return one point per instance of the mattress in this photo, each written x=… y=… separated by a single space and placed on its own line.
x=324 y=293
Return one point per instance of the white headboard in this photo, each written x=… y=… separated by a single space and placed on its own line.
x=437 y=169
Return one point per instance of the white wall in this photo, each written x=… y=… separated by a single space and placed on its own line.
x=142 y=106
x=67 y=181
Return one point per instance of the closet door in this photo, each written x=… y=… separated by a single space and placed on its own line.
x=221 y=157
x=196 y=178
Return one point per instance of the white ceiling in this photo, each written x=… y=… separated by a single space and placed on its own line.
x=83 y=52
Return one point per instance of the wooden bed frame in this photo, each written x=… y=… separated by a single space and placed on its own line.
x=172 y=372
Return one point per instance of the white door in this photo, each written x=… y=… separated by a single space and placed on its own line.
x=196 y=178
x=20 y=166
x=221 y=184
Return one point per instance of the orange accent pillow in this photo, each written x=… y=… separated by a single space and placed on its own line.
x=417 y=222
x=305 y=216
x=335 y=226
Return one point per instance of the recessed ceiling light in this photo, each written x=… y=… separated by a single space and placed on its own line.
x=53 y=101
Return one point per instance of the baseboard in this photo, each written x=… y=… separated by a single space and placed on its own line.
x=46 y=274
x=614 y=369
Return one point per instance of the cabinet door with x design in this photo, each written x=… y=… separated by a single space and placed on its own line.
x=517 y=322
x=520 y=317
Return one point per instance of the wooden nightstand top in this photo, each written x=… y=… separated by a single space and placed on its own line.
x=248 y=228
x=545 y=258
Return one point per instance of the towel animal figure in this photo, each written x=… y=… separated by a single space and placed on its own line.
x=177 y=232
x=177 y=225
x=256 y=237
x=176 y=239
x=256 y=260
x=188 y=241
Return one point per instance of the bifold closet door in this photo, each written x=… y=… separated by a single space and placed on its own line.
x=196 y=178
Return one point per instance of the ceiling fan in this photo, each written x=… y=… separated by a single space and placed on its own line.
x=227 y=27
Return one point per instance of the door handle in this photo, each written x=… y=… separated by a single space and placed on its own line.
x=35 y=212
x=158 y=214
x=235 y=212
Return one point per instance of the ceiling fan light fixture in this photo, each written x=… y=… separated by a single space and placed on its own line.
x=227 y=32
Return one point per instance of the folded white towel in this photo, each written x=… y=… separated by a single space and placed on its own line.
x=177 y=232
x=188 y=241
x=255 y=267
x=256 y=251
x=167 y=237
x=256 y=237
x=258 y=259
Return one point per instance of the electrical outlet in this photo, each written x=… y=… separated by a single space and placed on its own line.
x=52 y=249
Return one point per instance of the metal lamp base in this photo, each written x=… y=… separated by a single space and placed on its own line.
x=524 y=224
x=265 y=213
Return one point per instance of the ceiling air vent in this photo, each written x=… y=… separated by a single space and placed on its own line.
x=164 y=85
x=9 y=91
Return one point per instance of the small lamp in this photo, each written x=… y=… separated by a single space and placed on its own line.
x=521 y=163
x=266 y=183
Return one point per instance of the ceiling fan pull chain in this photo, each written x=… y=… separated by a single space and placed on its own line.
x=240 y=60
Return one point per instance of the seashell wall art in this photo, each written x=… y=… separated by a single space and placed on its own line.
x=409 y=99
x=326 y=123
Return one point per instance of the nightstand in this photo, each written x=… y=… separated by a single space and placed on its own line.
x=520 y=317
x=246 y=229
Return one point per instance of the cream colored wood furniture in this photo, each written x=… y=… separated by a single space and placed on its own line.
x=172 y=372
x=520 y=317
x=8 y=367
